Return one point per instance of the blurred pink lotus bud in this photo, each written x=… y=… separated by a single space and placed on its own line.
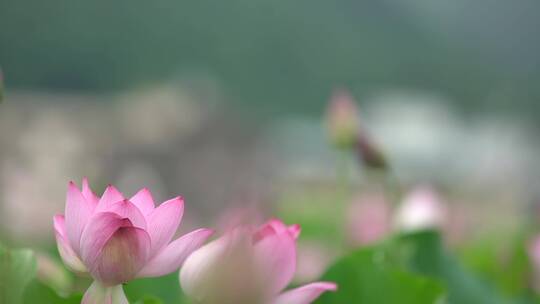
x=117 y=239
x=247 y=266
x=368 y=219
x=458 y=224
x=342 y=120
x=533 y=251
x=421 y=209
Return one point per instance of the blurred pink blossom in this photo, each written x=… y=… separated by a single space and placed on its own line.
x=421 y=209
x=533 y=251
x=368 y=219
x=249 y=265
x=117 y=239
x=342 y=119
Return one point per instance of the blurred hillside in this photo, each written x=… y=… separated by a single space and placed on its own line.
x=281 y=56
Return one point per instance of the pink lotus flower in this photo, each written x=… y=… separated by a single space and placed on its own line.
x=117 y=239
x=248 y=266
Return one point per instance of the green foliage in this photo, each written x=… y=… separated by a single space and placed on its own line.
x=149 y=300
x=423 y=252
x=19 y=284
x=166 y=288
x=17 y=269
x=368 y=276
x=416 y=268
x=40 y=293
x=505 y=263
x=427 y=256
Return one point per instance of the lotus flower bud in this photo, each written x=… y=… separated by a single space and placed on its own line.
x=115 y=239
x=368 y=219
x=534 y=256
x=342 y=120
x=247 y=266
x=421 y=209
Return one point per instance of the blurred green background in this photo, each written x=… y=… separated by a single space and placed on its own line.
x=281 y=56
